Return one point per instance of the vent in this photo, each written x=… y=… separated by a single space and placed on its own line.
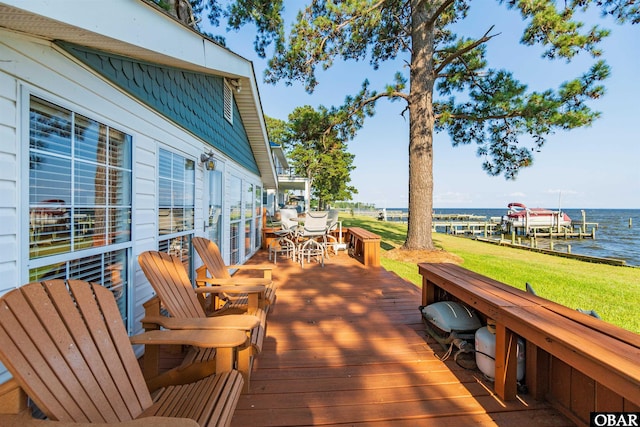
x=228 y=102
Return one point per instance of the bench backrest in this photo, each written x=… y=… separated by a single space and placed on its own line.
x=170 y=280
x=66 y=345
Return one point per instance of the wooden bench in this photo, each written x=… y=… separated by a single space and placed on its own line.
x=579 y=363
x=364 y=245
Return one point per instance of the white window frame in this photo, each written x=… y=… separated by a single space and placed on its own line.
x=178 y=242
x=67 y=260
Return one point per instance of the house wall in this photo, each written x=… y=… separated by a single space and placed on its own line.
x=31 y=66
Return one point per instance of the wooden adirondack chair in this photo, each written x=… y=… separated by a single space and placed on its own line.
x=66 y=345
x=215 y=272
x=169 y=279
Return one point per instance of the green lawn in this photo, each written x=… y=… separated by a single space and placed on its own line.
x=612 y=291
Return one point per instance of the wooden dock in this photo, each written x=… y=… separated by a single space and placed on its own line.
x=479 y=225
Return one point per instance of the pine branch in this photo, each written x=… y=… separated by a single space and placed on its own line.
x=485 y=38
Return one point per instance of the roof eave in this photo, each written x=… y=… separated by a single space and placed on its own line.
x=118 y=26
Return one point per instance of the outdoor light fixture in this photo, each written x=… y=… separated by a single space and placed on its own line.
x=236 y=84
x=208 y=161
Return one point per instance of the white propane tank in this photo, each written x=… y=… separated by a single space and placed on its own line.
x=486 y=343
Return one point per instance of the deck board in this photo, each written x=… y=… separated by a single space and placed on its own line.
x=345 y=345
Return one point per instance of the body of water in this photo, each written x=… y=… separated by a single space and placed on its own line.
x=614 y=237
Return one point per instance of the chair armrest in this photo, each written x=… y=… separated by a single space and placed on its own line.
x=249 y=267
x=267 y=270
x=242 y=322
x=195 y=337
x=26 y=420
x=250 y=281
x=260 y=290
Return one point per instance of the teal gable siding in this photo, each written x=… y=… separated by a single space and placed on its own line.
x=192 y=100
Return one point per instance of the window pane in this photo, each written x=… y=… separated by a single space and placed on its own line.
x=49 y=229
x=165 y=164
x=248 y=201
x=49 y=127
x=90 y=184
x=177 y=168
x=215 y=207
x=177 y=193
x=49 y=179
x=258 y=202
x=258 y=218
x=234 y=243
x=48 y=272
x=119 y=187
x=235 y=203
x=188 y=220
x=90 y=140
x=235 y=198
x=87 y=231
x=119 y=149
x=164 y=193
x=108 y=269
x=120 y=225
x=179 y=247
x=247 y=237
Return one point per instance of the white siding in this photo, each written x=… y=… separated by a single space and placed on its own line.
x=8 y=182
x=8 y=189
x=35 y=67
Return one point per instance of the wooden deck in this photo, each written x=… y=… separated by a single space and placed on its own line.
x=346 y=346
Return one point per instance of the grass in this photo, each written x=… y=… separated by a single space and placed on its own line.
x=612 y=291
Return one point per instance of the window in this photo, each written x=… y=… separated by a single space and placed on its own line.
x=79 y=199
x=235 y=218
x=214 y=223
x=176 y=205
x=248 y=216
x=228 y=102
x=258 y=218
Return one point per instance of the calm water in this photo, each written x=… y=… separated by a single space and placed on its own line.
x=614 y=237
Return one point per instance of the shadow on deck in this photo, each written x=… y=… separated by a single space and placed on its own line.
x=345 y=345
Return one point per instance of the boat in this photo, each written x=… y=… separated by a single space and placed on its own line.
x=520 y=216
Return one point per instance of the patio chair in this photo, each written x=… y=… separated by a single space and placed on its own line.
x=332 y=224
x=216 y=273
x=168 y=277
x=284 y=243
x=65 y=344
x=312 y=237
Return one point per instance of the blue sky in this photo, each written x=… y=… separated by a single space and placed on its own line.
x=596 y=167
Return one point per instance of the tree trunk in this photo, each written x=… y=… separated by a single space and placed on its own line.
x=421 y=121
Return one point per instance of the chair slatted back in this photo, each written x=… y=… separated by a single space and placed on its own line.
x=66 y=345
x=211 y=257
x=171 y=282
